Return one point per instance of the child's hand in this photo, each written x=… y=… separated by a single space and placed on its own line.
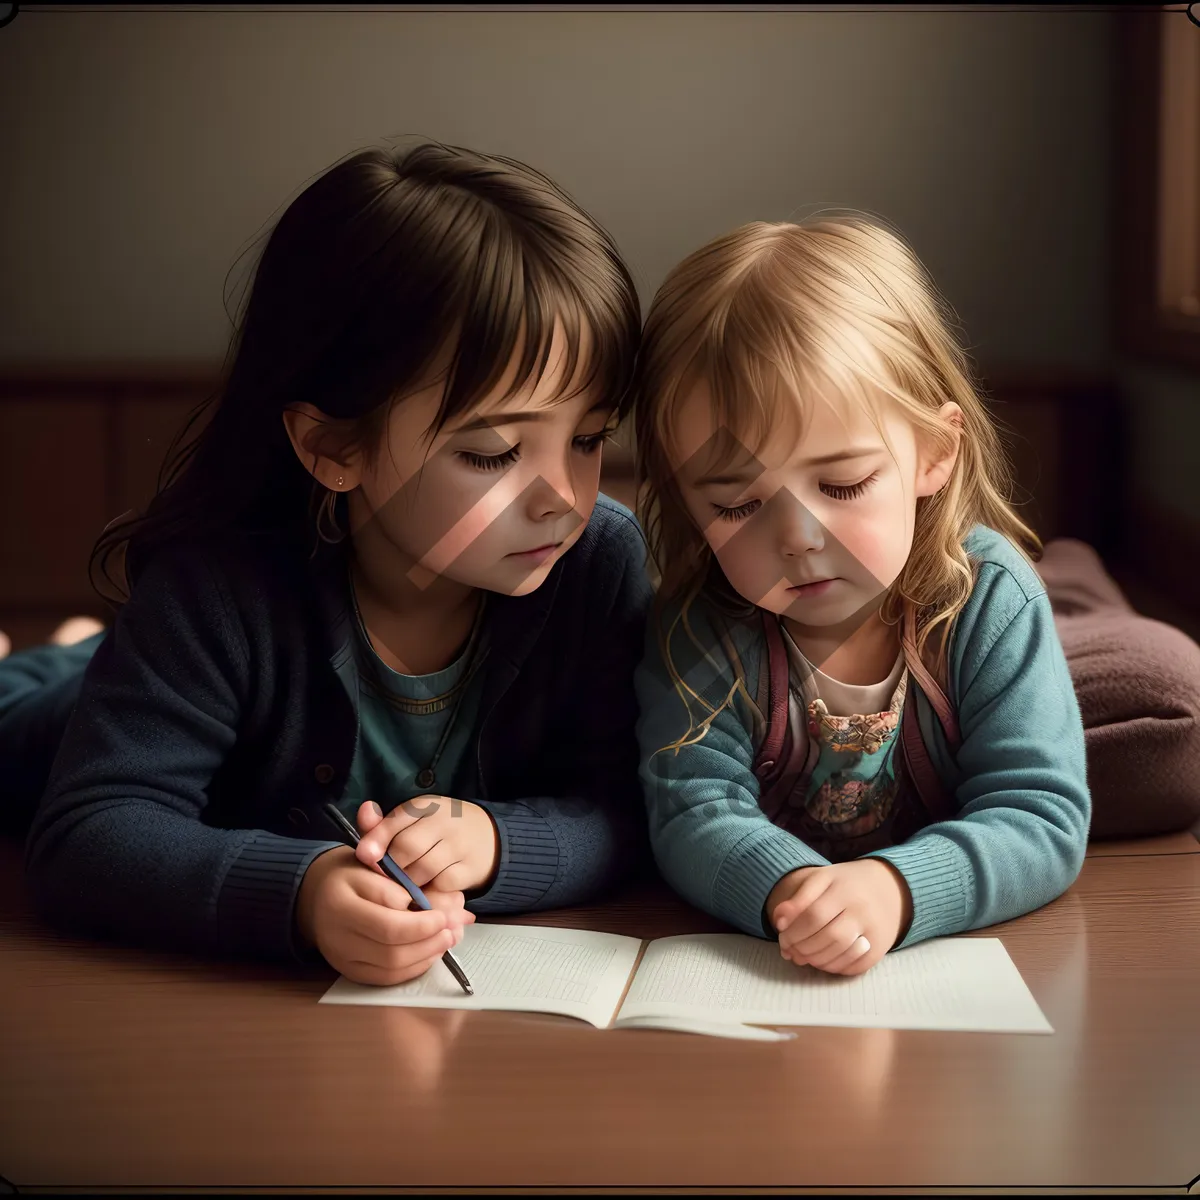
x=362 y=923
x=842 y=918
x=451 y=845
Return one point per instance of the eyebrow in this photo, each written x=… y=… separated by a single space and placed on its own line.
x=747 y=473
x=527 y=414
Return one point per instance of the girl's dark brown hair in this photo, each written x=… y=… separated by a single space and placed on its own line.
x=390 y=262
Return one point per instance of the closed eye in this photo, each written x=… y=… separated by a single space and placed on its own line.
x=490 y=462
x=849 y=491
x=587 y=443
x=739 y=513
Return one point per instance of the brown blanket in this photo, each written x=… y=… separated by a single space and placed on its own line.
x=1138 y=684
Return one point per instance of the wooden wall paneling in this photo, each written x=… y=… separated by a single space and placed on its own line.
x=1143 y=328
x=1033 y=437
x=78 y=451
x=1067 y=441
x=1094 y=475
x=147 y=425
x=54 y=491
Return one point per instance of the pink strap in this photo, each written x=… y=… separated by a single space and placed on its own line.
x=921 y=770
x=773 y=697
x=776 y=666
x=933 y=692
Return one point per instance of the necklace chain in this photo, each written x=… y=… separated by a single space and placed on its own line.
x=427 y=776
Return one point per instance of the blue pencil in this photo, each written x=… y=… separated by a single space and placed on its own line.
x=392 y=871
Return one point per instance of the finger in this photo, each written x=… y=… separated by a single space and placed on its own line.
x=397 y=956
x=368 y=816
x=386 y=927
x=378 y=888
x=455 y=910
x=839 y=964
x=451 y=903
x=811 y=921
x=389 y=924
x=811 y=886
x=454 y=876
x=409 y=844
x=402 y=957
x=839 y=950
x=373 y=845
x=376 y=976
x=428 y=860
x=866 y=962
x=446 y=909
x=840 y=932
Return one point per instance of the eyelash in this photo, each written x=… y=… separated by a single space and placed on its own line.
x=851 y=491
x=588 y=444
x=834 y=491
x=736 y=514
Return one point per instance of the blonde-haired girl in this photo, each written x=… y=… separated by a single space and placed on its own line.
x=858 y=725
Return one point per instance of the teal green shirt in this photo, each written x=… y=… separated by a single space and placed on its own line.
x=1019 y=779
x=401 y=721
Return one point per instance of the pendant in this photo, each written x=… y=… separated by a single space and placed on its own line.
x=425 y=778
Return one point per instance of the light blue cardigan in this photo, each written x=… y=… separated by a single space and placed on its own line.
x=1019 y=778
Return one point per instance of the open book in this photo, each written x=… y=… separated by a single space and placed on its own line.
x=717 y=983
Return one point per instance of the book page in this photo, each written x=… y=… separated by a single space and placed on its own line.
x=719 y=1029
x=943 y=984
x=517 y=968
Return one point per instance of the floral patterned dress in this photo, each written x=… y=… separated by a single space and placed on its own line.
x=845 y=791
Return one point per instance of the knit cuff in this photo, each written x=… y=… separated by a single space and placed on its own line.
x=941 y=888
x=751 y=869
x=529 y=860
x=256 y=904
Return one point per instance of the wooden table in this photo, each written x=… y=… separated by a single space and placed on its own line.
x=127 y=1070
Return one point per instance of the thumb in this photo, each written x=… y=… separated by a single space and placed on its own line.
x=813 y=882
x=785 y=913
x=368 y=816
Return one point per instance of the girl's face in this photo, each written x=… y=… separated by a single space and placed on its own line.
x=496 y=498
x=815 y=531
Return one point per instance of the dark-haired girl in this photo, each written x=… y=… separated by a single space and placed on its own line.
x=381 y=575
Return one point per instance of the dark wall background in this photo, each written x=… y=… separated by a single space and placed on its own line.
x=150 y=149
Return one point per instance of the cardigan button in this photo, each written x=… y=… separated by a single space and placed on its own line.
x=323 y=773
x=298 y=817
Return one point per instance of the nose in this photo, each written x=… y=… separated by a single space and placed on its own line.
x=799 y=530
x=552 y=492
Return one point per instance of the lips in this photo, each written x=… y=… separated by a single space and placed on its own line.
x=548 y=548
x=813 y=588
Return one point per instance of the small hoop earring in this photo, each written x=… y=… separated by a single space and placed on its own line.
x=327 y=518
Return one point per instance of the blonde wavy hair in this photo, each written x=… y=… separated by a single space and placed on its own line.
x=773 y=316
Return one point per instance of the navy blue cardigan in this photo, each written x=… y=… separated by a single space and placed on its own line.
x=221 y=710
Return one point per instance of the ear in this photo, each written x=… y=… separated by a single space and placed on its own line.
x=324 y=445
x=933 y=472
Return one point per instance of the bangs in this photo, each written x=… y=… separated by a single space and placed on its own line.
x=764 y=378
x=767 y=323
x=504 y=317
